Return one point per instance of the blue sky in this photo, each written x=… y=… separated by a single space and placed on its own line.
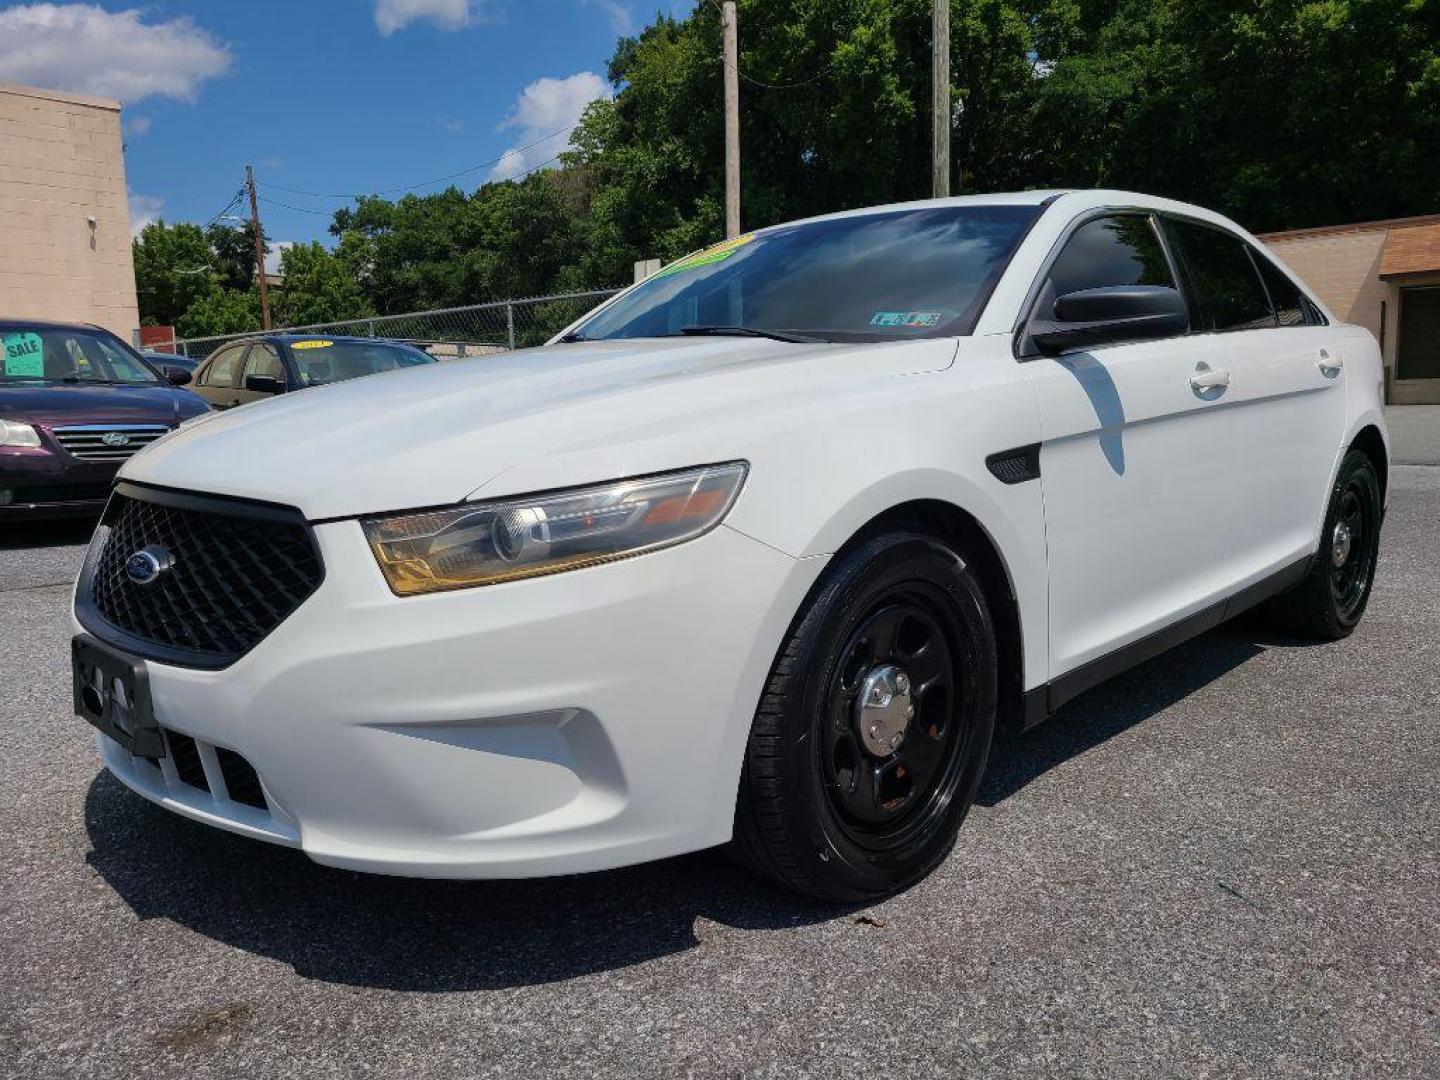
x=321 y=95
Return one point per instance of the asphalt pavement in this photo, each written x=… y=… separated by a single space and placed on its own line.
x=1225 y=863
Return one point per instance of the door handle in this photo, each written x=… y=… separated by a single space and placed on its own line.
x=1329 y=365
x=1207 y=379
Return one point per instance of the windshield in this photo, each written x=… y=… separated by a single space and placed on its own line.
x=875 y=277
x=320 y=360
x=43 y=354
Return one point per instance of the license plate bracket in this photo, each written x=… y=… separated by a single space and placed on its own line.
x=112 y=692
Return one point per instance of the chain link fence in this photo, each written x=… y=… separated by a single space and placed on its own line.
x=448 y=333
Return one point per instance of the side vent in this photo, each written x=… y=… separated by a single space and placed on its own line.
x=1015 y=466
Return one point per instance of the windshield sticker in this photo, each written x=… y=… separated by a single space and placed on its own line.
x=311 y=344
x=713 y=254
x=24 y=355
x=906 y=318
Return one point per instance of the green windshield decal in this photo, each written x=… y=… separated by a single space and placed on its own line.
x=24 y=355
x=710 y=255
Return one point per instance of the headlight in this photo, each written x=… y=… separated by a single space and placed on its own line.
x=14 y=433
x=484 y=543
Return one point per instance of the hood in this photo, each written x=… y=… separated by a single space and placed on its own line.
x=69 y=403
x=515 y=422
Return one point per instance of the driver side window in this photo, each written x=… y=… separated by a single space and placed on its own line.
x=1120 y=249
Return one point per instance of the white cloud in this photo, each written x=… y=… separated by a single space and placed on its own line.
x=622 y=19
x=449 y=123
x=143 y=210
x=87 y=50
x=392 y=15
x=273 y=256
x=544 y=112
x=138 y=124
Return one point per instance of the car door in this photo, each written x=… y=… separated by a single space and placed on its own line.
x=263 y=359
x=1135 y=461
x=1287 y=394
x=218 y=380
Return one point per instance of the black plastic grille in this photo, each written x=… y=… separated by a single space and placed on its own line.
x=186 y=756
x=241 y=780
x=235 y=575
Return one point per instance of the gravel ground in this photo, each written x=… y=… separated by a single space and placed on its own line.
x=1226 y=863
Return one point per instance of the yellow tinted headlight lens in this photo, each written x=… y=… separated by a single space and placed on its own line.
x=485 y=543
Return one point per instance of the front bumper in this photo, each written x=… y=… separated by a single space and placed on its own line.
x=576 y=722
x=38 y=483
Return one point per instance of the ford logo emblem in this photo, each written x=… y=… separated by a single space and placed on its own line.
x=145 y=566
x=115 y=438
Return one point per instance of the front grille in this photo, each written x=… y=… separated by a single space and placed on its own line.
x=235 y=570
x=107 y=442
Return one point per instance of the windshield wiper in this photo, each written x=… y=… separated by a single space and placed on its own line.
x=76 y=379
x=745 y=331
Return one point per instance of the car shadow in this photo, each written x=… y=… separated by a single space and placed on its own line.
x=36 y=534
x=403 y=934
x=410 y=934
x=1124 y=701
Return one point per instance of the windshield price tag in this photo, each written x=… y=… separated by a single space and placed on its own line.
x=311 y=344
x=24 y=355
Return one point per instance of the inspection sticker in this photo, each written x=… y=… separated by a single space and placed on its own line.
x=311 y=344
x=713 y=254
x=24 y=355
x=905 y=318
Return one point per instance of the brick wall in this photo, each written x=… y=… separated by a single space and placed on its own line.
x=61 y=162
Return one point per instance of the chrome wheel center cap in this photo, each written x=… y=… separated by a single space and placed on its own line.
x=883 y=709
x=1340 y=544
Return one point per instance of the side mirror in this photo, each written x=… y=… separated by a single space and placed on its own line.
x=178 y=376
x=1110 y=315
x=264 y=384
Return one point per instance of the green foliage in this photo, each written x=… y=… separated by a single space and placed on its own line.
x=1281 y=113
x=220 y=311
x=318 y=287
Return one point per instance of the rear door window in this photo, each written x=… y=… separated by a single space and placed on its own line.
x=224 y=368
x=1230 y=292
x=1285 y=296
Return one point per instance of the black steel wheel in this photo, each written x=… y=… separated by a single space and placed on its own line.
x=872 y=735
x=1328 y=604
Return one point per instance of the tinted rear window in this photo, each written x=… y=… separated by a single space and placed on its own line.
x=1230 y=293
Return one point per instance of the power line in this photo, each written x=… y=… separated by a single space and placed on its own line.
x=331 y=213
x=239 y=194
x=427 y=183
x=826 y=70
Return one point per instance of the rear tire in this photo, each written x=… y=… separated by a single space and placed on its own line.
x=1328 y=603
x=875 y=725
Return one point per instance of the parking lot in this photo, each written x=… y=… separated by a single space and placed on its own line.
x=1224 y=863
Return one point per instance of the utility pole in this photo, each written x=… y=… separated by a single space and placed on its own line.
x=730 y=33
x=259 y=251
x=940 y=80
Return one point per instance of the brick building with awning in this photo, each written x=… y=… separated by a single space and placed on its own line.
x=1385 y=276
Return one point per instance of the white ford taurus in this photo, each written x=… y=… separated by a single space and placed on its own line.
x=761 y=550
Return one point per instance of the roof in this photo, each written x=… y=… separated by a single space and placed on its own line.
x=1415 y=250
x=1382 y=225
x=109 y=104
x=45 y=324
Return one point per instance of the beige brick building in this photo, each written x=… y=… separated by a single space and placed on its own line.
x=1385 y=276
x=64 y=216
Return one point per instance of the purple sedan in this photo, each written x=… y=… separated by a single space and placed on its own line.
x=75 y=402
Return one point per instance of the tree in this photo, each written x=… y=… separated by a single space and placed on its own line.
x=234 y=251
x=220 y=311
x=318 y=287
x=173 y=269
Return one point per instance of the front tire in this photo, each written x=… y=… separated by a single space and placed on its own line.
x=875 y=726
x=1328 y=604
